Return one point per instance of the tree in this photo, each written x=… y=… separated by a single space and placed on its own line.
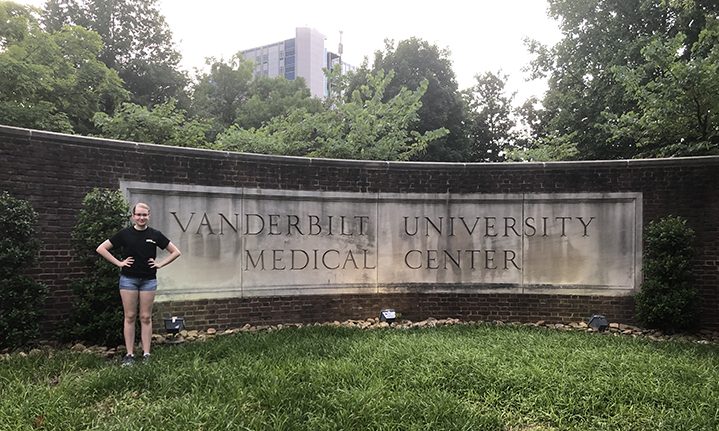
x=677 y=112
x=53 y=81
x=490 y=122
x=364 y=127
x=17 y=21
x=274 y=97
x=603 y=53
x=21 y=298
x=532 y=144
x=165 y=124
x=137 y=43
x=413 y=61
x=219 y=94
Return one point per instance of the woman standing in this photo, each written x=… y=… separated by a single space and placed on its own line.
x=138 y=276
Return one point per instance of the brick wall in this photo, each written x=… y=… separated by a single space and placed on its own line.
x=321 y=308
x=54 y=172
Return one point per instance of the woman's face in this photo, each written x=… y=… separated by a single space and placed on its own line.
x=141 y=215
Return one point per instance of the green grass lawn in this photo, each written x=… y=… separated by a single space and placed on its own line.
x=465 y=377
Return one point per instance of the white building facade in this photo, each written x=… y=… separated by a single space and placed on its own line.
x=303 y=56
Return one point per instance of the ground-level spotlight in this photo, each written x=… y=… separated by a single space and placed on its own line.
x=387 y=315
x=174 y=324
x=598 y=323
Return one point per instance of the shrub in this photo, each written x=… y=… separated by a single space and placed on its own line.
x=21 y=298
x=97 y=309
x=668 y=298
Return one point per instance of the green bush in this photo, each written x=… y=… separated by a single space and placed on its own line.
x=21 y=298
x=668 y=297
x=96 y=314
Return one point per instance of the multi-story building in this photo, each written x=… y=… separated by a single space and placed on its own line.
x=303 y=56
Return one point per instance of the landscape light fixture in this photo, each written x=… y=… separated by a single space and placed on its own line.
x=174 y=324
x=598 y=323
x=387 y=315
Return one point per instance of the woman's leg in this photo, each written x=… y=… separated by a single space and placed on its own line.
x=147 y=298
x=129 y=307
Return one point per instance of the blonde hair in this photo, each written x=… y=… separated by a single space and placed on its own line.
x=140 y=204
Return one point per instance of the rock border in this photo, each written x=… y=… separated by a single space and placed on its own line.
x=704 y=336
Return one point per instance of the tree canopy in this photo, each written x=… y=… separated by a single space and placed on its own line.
x=165 y=124
x=413 y=61
x=53 y=81
x=490 y=125
x=629 y=78
x=363 y=127
x=274 y=97
x=677 y=99
x=219 y=93
x=622 y=68
x=137 y=43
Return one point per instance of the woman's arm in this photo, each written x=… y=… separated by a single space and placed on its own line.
x=104 y=251
x=174 y=254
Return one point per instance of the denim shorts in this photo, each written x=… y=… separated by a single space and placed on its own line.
x=138 y=284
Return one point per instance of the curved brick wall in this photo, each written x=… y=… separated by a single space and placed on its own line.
x=55 y=171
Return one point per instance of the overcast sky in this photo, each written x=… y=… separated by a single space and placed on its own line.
x=482 y=35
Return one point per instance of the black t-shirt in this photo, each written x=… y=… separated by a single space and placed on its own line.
x=141 y=245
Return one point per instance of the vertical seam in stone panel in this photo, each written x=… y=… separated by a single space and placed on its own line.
x=242 y=242
x=638 y=238
x=634 y=246
x=524 y=264
x=376 y=242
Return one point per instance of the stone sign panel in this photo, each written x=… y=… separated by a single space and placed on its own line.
x=241 y=242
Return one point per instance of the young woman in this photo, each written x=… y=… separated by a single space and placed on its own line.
x=138 y=276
